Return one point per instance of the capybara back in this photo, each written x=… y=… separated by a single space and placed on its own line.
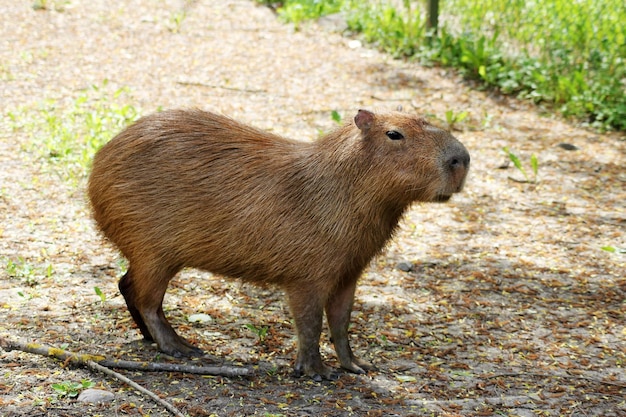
x=188 y=188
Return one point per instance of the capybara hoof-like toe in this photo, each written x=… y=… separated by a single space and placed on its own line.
x=317 y=373
x=183 y=351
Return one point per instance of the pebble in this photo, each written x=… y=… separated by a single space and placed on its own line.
x=568 y=146
x=405 y=266
x=92 y=395
x=200 y=318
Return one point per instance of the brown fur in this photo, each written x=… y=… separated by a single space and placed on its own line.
x=194 y=189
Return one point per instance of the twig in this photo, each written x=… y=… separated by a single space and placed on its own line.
x=227 y=371
x=169 y=407
x=39 y=349
x=540 y=375
x=522 y=181
x=221 y=87
x=87 y=360
x=100 y=364
x=375 y=97
x=82 y=359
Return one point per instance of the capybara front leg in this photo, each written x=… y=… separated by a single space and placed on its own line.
x=308 y=313
x=338 y=310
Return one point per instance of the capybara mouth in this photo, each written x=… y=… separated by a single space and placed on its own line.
x=442 y=198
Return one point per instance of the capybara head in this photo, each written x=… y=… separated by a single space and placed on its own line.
x=420 y=161
x=188 y=188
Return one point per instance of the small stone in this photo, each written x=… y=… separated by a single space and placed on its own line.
x=92 y=395
x=199 y=318
x=568 y=146
x=405 y=266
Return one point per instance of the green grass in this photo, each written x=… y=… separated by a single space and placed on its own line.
x=25 y=271
x=71 y=389
x=534 y=164
x=67 y=134
x=299 y=11
x=569 y=55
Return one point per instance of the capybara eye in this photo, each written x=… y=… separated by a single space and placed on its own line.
x=394 y=135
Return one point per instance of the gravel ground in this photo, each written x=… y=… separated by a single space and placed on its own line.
x=505 y=303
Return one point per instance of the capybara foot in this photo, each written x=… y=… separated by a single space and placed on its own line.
x=180 y=348
x=327 y=374
x=358 y=366
x=316 y=370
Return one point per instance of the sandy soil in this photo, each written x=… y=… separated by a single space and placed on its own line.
x=511 y=307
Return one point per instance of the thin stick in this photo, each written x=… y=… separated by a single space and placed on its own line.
x=82 y=359
x=169 y=407
x=540 y=375
x=220 y=87
x=227 y=371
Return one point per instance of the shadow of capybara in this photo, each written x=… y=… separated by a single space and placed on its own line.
x=188 y=188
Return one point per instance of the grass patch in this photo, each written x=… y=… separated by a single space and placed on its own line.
x=570 y=55
x=67 y=135
x=25 y=271
x=302 y=10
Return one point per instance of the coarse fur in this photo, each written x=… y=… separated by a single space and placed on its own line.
x=188 y=188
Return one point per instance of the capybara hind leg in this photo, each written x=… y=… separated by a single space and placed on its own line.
x=144 y=292
x=126 y=288
x=338 y=309
x=308 y=313
x=166 y=337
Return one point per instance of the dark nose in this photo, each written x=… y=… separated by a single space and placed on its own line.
x=459 y=161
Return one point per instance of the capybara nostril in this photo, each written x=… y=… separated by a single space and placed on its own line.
x=461 y=159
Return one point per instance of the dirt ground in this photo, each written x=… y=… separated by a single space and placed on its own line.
x=510 y=306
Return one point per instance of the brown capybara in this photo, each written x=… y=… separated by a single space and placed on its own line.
x=188 y=188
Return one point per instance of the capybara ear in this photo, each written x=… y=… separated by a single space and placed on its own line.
x=364 y=120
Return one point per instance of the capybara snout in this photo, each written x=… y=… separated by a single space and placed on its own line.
x=457 y=161
x=188 y=188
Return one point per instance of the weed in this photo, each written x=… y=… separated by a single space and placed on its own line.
x=71 y=389
x=613 y=249
x=534 y=164
x=261 y=332
x=452 y=118
x=67 y=136
x=273 y=371
x=58 y=6
x=100 y=294
x=297 y=11
x=335 y=116
x=40 y=5
x=176 y=20
x=395 y=31
x=122 y=264
x=22 y=270
x=25 y=296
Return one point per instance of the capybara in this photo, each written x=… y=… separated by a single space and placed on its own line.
x=188 y=188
